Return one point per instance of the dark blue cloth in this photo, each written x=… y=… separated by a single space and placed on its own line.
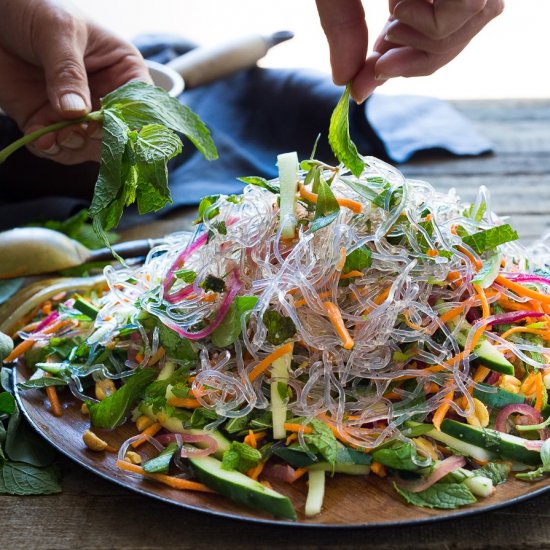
x=254 y=115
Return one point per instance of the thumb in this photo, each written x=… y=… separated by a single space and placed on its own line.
x=66 y=78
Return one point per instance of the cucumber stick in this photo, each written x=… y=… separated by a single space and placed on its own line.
x=287 y=164
x=241 y=488
x=279 y=379
x=315 y=492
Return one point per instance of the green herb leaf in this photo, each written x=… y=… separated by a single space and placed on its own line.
x=238 y=424
x=326 y=209
x=231 y=327
x=175 y=345
x=201 y=418
x=112 y=411
x=359 y=259
x=213 y=283
x=338 y=136
x=489 y=239
x=323 y=440
x=497 y=472
x=241 y=457
x=445 y=496
x=7 y=403
x=18 y=478
x=186 y=275
x=262 y=182
x=398 y=457
x=205 y=210
x=279 y=328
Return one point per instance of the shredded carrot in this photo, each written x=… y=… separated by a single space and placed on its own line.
x=412 y=325
x=338 y=323
x=382 y=296
x=139 y=357
x=255 y=472
x=521 y=290
x=330 y=423
x=452 y=313
x=515 y=330
x=351 y=274
x=431 y=387
x=475 y=261
x=355 y=206
x=51 y=392
x=289 y=427
x=393 y=396
x=265 y=363
x=171 y=481
x=252 y=438
x=183 y=402
x=378 y=469
x=432 y=253
x=442 y=410
x=481 y=373
x=46 y=307
x=298 y=473
x=301 y=302
x=539 y=383
x=151 y=430
x=342 y=259
x=291 y=438
x=210 y=297
x=485 y=309
x=154 y=359
x=25 y=345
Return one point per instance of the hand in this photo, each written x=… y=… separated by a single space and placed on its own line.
x=420 y=37
x=59 y=66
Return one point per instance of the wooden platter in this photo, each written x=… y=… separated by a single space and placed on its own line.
x=350 y=501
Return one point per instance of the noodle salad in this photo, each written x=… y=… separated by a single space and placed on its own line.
x=329 y=322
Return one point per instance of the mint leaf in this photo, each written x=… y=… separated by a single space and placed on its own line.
x=261 y=182
x=112 y=411
x=489 y=239
x=7 y=403
x=497 y=472
x=176 y=346
x=359 y=259
x=241 y=457
x=398 y=457
x=17 y=478
x=37 y=383
x=340 y=141
x=326 y=209
x=323 y=440
x=186 y=275
x=279 y=328
x=445 y=496
x=230 y=328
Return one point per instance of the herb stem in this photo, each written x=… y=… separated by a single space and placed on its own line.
x=33 y=136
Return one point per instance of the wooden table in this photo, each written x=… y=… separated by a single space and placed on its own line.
x=93 y=513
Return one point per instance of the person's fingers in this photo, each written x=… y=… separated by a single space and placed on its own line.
x=346 y=30
x=401 y=34
x=407 y=61
x=63 y=64
x=440 y=18
x=365 y=81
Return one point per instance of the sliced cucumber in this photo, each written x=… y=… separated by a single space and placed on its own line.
x=350 y=469
x=297 y=458
x=463 y=447
x=503 y=445
x=315 y=493
x=486 y=353
x=241 y=488
x=288 y=180
x=499 y=398
x=279 y=379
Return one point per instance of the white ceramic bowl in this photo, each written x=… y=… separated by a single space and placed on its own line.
x=166 y=78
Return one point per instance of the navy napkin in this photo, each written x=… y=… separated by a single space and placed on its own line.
x=253 y=115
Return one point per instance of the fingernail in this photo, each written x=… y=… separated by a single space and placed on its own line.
x=52 y=151
x=72 y=102
x=98 y=133
x=73 y=141
x=389 y=37
x=381 y=77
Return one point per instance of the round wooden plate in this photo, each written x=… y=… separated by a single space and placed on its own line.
x=350 y=501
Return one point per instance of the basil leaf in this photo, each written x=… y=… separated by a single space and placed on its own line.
x=231 y=327
x=279 y=328
x=18 y=478
x=445 y=496
x=359 y=259
x=340 y=141
x=112 y=411
x=489 y=239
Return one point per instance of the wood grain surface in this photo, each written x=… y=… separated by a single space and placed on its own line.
x=95 y=513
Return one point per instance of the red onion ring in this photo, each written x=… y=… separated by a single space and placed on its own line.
x=450 y=464
x=513 y=317
x=530 y=413
x=234 y=284
x=46 y=321
x=524 y=278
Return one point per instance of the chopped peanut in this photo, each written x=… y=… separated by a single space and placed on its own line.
x=93 y=442
x=143 y=422
x=428 y=446
x=84 y=409
x=480 y=416
x=509 y=383
x=104 y=388
x=132 y=457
